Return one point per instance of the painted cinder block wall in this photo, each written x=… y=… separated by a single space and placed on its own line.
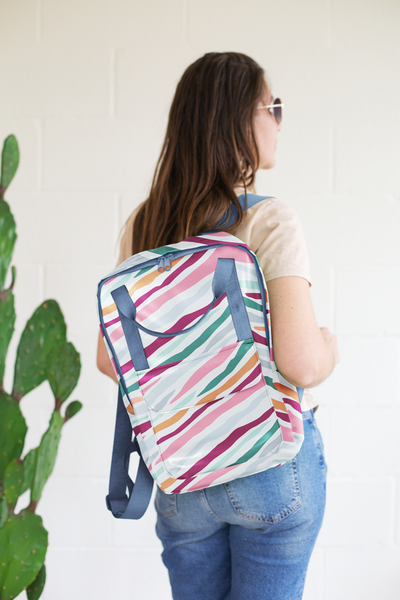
x=86 y=87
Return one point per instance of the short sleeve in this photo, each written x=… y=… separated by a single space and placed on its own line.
x=273 y=231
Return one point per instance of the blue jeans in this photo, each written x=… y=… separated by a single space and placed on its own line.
x=251 y=538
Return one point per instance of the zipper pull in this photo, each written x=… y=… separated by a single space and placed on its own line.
x=164 y=264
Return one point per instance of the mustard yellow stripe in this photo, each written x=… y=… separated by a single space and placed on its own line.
x=287 y=391
x=279 y=405
x=170 y=421
x=109 y=309
x=245 y=369
x=167 y=483
x=149 y=278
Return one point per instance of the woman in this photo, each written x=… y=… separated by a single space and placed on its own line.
x=253 y=537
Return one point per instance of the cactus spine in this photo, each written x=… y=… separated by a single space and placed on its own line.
x=43 y=354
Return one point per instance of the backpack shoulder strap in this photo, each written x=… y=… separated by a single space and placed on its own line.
x=252 y=199
x=117 y=501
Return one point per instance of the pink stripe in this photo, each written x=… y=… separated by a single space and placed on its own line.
x=255 y=295
x=227 y=443
x=148 y=387
x=210 y=478
x=296 y=423
x=178 y=326
x=116 y=334
x=110 y=280
x=177 y=271
x=209 y=420
x=287 y=434
x=186 y=424
x=210 y=365
x=256 y=372
x=192 y=279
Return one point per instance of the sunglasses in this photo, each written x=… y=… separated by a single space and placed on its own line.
x=275 y=109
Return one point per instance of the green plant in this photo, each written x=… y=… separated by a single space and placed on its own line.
x=43 y=354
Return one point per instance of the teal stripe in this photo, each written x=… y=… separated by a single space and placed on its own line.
x=226 y=457
x=200 y=340
x=252 y=304
x=250 y=285
x=184 y=403
x=269 y=382
x=230 y=368
x=164 y=250
x=155 y=474
x=133 y=387
x=180 y=339
x=257 y=446
x=143 y=271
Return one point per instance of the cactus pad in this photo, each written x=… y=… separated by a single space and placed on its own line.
x=12 y=431
x=8 y=237
x=72 y=409
x=34 y=591
x=7 y=320
x=29 y=470
x=46 y=455
x=3 y=511
x=9 y=162
x=43 y=332
x=23 y=546
x=13 y=480
x=63 y=370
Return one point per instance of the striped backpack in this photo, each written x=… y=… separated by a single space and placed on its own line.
x=188 y=333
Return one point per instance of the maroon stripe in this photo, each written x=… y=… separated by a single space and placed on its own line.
x=116 y=320
x=283 y=416
x=178 y=326
x=260 y=339
x=292 y=403
x=142 y=428
x=188 y=422
x=255 y=295
x=127 y=367
x=183 y=485
x=255 y=373
x=177 y=271
x=226 y=444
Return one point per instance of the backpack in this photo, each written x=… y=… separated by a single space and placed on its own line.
x=188 y=333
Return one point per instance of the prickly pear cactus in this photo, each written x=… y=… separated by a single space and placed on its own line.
x=43 y=354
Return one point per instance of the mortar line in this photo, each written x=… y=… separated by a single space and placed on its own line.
x=329 y=28
x=38 y=21
x=332 y=157
x=113 y=58
x=395 y=521
x=39 y=127
x=185 y=22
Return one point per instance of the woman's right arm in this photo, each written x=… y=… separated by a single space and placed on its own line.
x=304 y=353
x=103 y=360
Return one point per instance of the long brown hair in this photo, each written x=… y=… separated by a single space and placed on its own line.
x=209 y=148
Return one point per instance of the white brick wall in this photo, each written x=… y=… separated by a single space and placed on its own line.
x=86 y=88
